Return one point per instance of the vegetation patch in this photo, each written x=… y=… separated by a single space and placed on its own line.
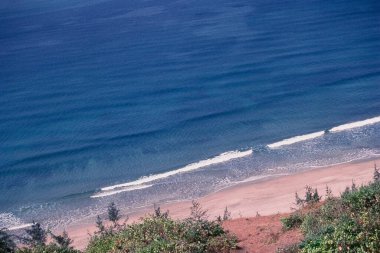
x=349 y=223
x=156 y=233
x=160 y=233
x=293 y=221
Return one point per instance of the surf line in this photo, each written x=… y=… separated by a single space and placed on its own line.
x=20 y=226
x=336 y=129
x=119 y=190
x=355 y=124
x=141 y=182
x=296 y=139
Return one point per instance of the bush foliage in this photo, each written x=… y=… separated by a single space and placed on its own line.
x=293 y=221
x=160 y=233
x=154 y=233
x=7 y=245
x=350 y=223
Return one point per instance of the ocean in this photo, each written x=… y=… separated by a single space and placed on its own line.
x=142 y=102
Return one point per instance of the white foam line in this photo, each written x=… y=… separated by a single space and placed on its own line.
x=20 y=226
x=224 y=157
x=255 y=178
x=355 y=124
x=109 y=193
x=296 y=139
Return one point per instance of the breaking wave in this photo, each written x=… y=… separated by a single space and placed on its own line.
x=141 y=183
x=355 y=124
x=10 y=222
x=130 y=186
x=311 y=136
x=296 y=139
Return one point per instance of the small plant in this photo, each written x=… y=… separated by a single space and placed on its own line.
x=114 y=217
x=293 y=221
x=329 y=194
x=159 y=213
x=63 y=240
x=159 y=233
x=99 y=225
x=7 y=245
x=346 y=191
x=113 y=213
x=311 y=195
x=36 y=235
x=226 y=214
x=353 y=186
x=376 y=174
x=197 y=213
x=299 y=201
x=310 y=224
x=36 y=241
x=50 y=248
x=293 y=248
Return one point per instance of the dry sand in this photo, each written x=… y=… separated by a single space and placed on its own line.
x=266 y=197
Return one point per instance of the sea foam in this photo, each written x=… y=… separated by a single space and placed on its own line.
x=130 y=186
x=296 y=139
x=11 y=222
x=355 y=124
x=20 y=226
x=224 y=157
x=121 y=189
x=310 y=136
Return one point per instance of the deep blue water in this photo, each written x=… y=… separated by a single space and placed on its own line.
x=95 y=93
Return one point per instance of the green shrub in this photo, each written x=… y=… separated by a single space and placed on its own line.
x=293 y=248
x=160 y=233
x=348 y=224
x=50 y=248
x=311 y=197
x=113 y=213
x=36 y=235
x=293 y=221
x=226 y=214
x=7 y=245
x=101 y=243
x=36 y=241
x=376 y=174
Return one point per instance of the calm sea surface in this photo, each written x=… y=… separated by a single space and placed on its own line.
x=99 y=93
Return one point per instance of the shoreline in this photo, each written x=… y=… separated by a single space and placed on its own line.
x=226 y=156
x=266 y=196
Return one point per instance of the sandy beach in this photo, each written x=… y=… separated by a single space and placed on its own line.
x=266 y=196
